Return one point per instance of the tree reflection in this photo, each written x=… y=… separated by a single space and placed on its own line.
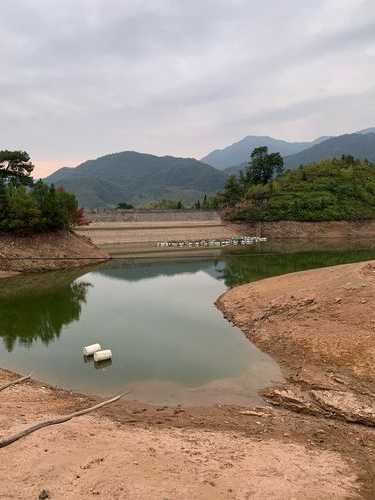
x=39 y=312
x=241 y=269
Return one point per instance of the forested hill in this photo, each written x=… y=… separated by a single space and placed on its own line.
x=335 y=189
x=361 y=146
x=138 y=178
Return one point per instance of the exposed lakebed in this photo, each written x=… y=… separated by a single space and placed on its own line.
x=170 y=344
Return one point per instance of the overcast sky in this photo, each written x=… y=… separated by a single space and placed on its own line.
x=81 y=78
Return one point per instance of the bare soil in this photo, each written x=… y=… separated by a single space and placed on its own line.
x=149 y=233
x=45 y=252
x=317 y=324
x=132 y=450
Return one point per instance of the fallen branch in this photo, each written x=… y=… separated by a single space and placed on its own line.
x=53 y=421
x=14 y=382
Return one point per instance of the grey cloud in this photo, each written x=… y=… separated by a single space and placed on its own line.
x=85 y=77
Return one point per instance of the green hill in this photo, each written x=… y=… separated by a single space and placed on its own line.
x=328 y=190
x=138 y=178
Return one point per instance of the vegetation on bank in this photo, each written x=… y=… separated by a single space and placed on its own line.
x=27 y=207
x=334 y=189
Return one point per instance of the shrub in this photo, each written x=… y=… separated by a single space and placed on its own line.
x=39 y=208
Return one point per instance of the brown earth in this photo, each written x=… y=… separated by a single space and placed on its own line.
x=318 y=324
x=45 y=252
x=136 y=451
x=286 y=229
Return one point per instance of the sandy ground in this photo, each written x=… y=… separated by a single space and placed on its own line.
x=137 y=451
x=309 y=441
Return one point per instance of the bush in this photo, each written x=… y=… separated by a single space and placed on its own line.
x=40 y=208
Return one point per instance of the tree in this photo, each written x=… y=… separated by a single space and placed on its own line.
x=125 y=206
x=263 y=166
x=197 y=205
x=205 y=202
x=232 y=191
x=16 y=167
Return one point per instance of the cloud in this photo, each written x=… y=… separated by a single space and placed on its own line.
x=87 y=77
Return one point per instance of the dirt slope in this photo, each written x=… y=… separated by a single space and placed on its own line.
x=320 y=326
x=43 y=252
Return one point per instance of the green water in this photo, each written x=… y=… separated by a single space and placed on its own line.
x=169 y=343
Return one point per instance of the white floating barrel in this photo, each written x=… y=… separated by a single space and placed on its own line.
x=89 y=350
x=102 y=355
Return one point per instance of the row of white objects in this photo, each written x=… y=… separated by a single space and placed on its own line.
x=242 y=240
x=97 y=351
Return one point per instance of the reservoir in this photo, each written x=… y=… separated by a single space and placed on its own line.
x=170 y=344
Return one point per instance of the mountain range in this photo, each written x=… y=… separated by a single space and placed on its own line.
x=238 y=153
x=139 y=178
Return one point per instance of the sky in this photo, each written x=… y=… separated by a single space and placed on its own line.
x=83 y=78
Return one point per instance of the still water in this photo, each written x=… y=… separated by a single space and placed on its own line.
x=170 y=344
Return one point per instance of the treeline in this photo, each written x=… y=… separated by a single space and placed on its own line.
x=334 y=189
x=206 y=203
x=27 y=207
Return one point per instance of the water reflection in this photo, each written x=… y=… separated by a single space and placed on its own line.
x=39 y=307
x=169 y=342
x=237 y=269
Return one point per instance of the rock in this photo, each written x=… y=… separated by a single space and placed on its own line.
x=44 y=494
x=348 y=405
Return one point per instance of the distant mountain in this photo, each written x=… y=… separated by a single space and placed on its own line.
x=370 y=130
x=239 y=152
x=137 y=178
x=360 y=145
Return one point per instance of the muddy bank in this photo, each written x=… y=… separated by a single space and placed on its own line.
x=308 y=230
x=319 y=325
x=45 y=252
x=219 y=452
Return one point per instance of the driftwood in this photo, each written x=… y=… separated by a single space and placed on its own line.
x=53 y=421
x=14 y=382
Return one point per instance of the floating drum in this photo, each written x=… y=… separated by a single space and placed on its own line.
x=91 y=349
x=102 y=355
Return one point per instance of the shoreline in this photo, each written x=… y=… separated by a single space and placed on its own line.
x=46 y=252
x=317 y=325
x=300 y=437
